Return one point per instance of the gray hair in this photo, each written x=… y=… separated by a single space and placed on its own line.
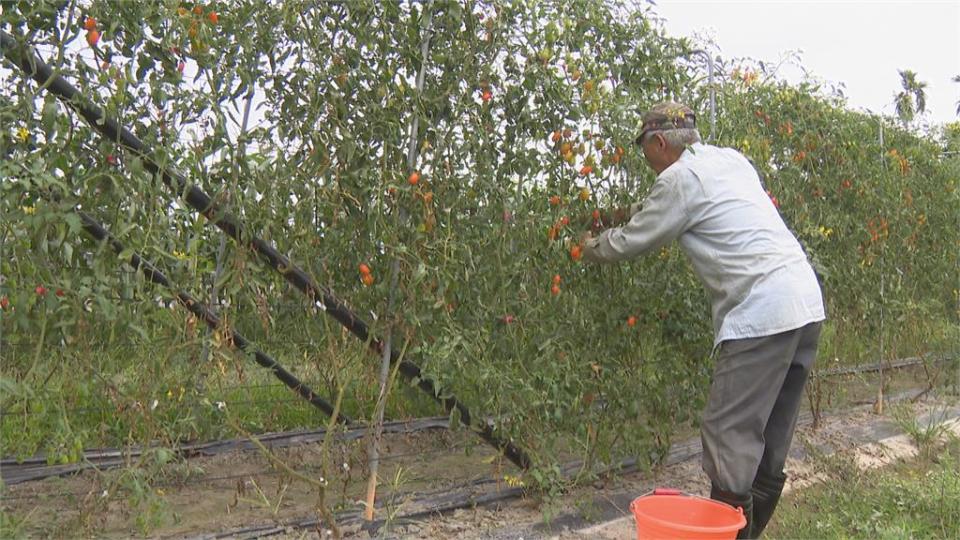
x=680 y=138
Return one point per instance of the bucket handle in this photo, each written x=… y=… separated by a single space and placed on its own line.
x=677 y=492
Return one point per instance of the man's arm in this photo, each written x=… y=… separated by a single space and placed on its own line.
x=662 y=218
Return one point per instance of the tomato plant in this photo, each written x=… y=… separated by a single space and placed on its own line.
x=298 y=117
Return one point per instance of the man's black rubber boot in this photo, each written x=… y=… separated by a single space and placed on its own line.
x=737 y=500
x=766 y=494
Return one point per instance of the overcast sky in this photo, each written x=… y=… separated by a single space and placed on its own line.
x=859 y=43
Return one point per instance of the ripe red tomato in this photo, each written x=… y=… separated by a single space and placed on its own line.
x=367 y=279
x=773 y=199
x=40 y=290
x=90 y=23
x=93 y=37
x=555 y=290
x=212 y=16
x=576 y=252
x=364 y=269
x=631 y=321
x=556 y=279
x=414 y=178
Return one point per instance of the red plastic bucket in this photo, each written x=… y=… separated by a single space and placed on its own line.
x=668 y=513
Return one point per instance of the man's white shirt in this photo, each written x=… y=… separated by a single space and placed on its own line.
x=753 y=268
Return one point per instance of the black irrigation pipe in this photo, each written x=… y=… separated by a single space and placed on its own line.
x=36 y=468
x=106 y=458
x=27 y=59
x=868 y=368
x=102 y=411
x=211 y=481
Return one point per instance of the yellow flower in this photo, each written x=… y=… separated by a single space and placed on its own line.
x=23 y=134
x=28 y=210
x=825 y=231
x=513 y=481
x=179 y=254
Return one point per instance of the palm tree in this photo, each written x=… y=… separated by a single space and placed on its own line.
x=912 y=100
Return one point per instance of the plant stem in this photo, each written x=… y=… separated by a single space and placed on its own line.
x=278 y=463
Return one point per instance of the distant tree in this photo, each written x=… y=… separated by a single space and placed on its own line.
x=912 y=100
x=956 y=79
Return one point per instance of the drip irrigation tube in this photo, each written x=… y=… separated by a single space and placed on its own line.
x=36 y=468
x=26 y=58
x=867 y=368
x=15 y=471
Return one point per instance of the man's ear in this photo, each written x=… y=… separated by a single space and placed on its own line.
x=661 y=142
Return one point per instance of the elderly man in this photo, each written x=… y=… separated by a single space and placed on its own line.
x=766 y=303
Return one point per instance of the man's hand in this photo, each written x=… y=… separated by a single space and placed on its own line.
x=586 y=242
x=599 y=220
x=584 y=238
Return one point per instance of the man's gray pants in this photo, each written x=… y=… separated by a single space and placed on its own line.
x=754 y=401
